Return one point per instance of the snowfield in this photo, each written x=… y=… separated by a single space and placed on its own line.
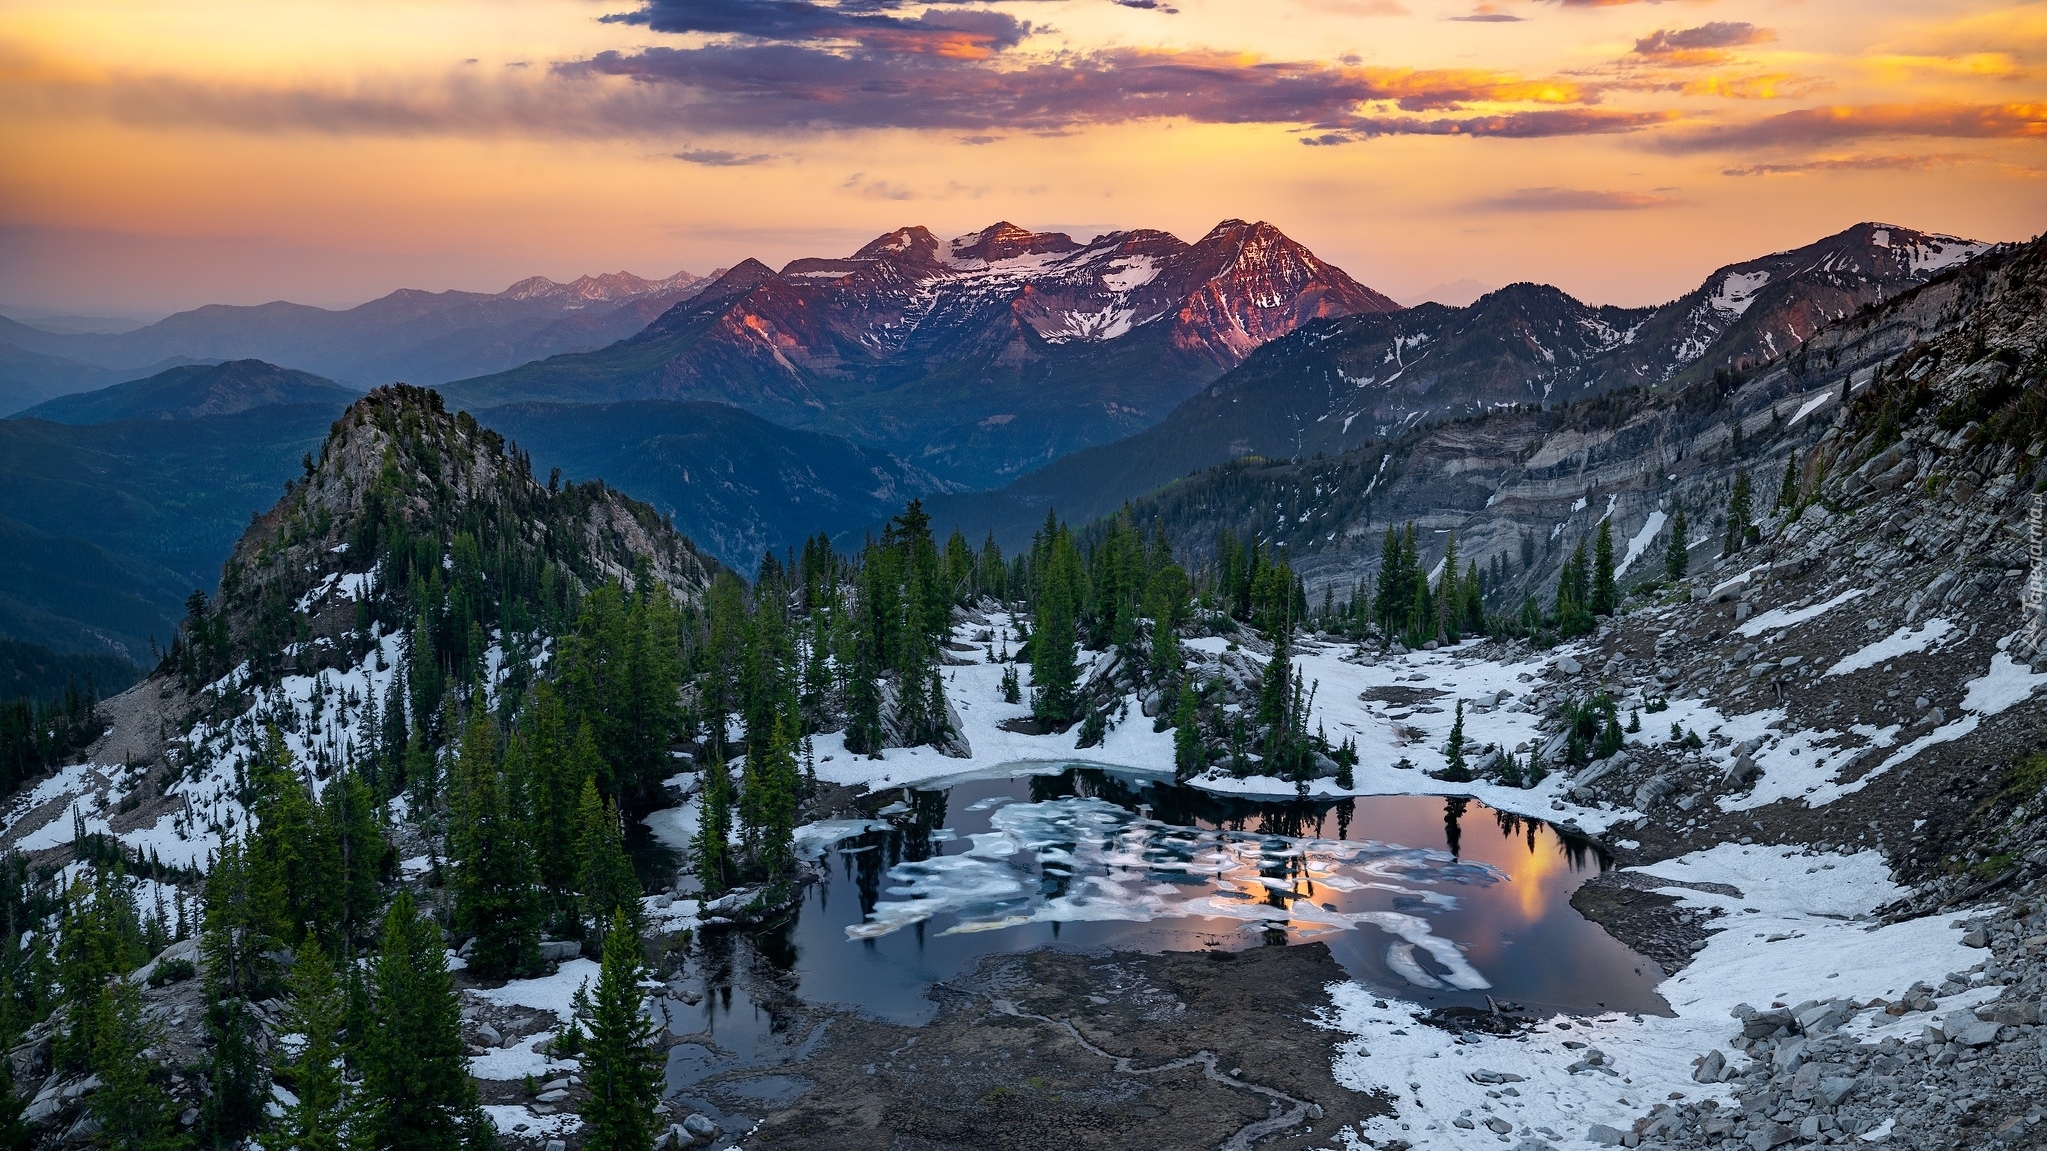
x=1800 y=930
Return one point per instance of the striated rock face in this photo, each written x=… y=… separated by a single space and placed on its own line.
x=976 y=356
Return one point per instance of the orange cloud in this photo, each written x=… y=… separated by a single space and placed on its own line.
x=1812 y=126
x=1767 y=86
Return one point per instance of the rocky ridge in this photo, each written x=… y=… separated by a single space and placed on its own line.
x=1354 y=384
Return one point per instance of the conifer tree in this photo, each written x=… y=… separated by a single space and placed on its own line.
x=100 y=939
x=1787 y=494
x=497 y=897
x=606 y=881
x=1474 y=601
x=1188 y=755
x=1055 y=677
x=1453 y=751
x=711 y=848
x=243 y=926
x=1421 y=618
x=1604 y=595
x=1739 y=513
x=135 y=1113
x=293 y=855
x=767 y=808
x=1449 y=596
x=415 y=1080
x=1165 y=601
x=322 y=1118
x=1677 y=557
x=14 y=1133
x=620 y=1067
x=551 y=763
x=349 y=809
x=1574 y=589
x=863 y=699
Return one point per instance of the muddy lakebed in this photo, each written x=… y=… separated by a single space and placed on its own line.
x=1102 y=957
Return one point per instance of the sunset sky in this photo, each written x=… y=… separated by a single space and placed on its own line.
x=162 y=155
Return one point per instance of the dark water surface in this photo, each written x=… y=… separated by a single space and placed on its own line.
x=1439 y=901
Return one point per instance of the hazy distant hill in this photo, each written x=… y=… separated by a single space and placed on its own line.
x=733 y=482
x=193 y=391
x=105 y=528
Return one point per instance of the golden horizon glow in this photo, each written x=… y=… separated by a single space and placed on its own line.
x=235 y=151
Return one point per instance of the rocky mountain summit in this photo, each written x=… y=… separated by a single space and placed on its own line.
x=974 y=357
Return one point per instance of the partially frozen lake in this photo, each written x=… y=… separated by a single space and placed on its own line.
x=1442 y=901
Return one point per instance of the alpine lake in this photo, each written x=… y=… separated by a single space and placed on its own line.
x=1061 y=952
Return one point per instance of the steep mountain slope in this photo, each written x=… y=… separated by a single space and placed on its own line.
x=733 y=482
x=1352 y=381
x=425 y=337
x=1551 y=474
x=976 y=357
x=110 y=526
x=194 y=391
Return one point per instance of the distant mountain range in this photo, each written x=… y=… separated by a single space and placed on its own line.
x=1337 y=385
x=760 y=406
x=417 y=336
x=977 y=358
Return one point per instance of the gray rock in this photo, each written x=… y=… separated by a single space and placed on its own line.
x=1771 y=1135
x=43 y=1110
x=1834 y=1089
x=702 y=1127
x=1603 y=1135
x=1975 y=936
x=1790 y=1056
x=1823 y=1017
x=1499 y=1126
x=1710 y=1066
x=1569 y=666
x=559 y=950
x=489 y=1036
x=1978 y=1033
x=2010 y=1012
x=555 y=1145
x=1806 y=1083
